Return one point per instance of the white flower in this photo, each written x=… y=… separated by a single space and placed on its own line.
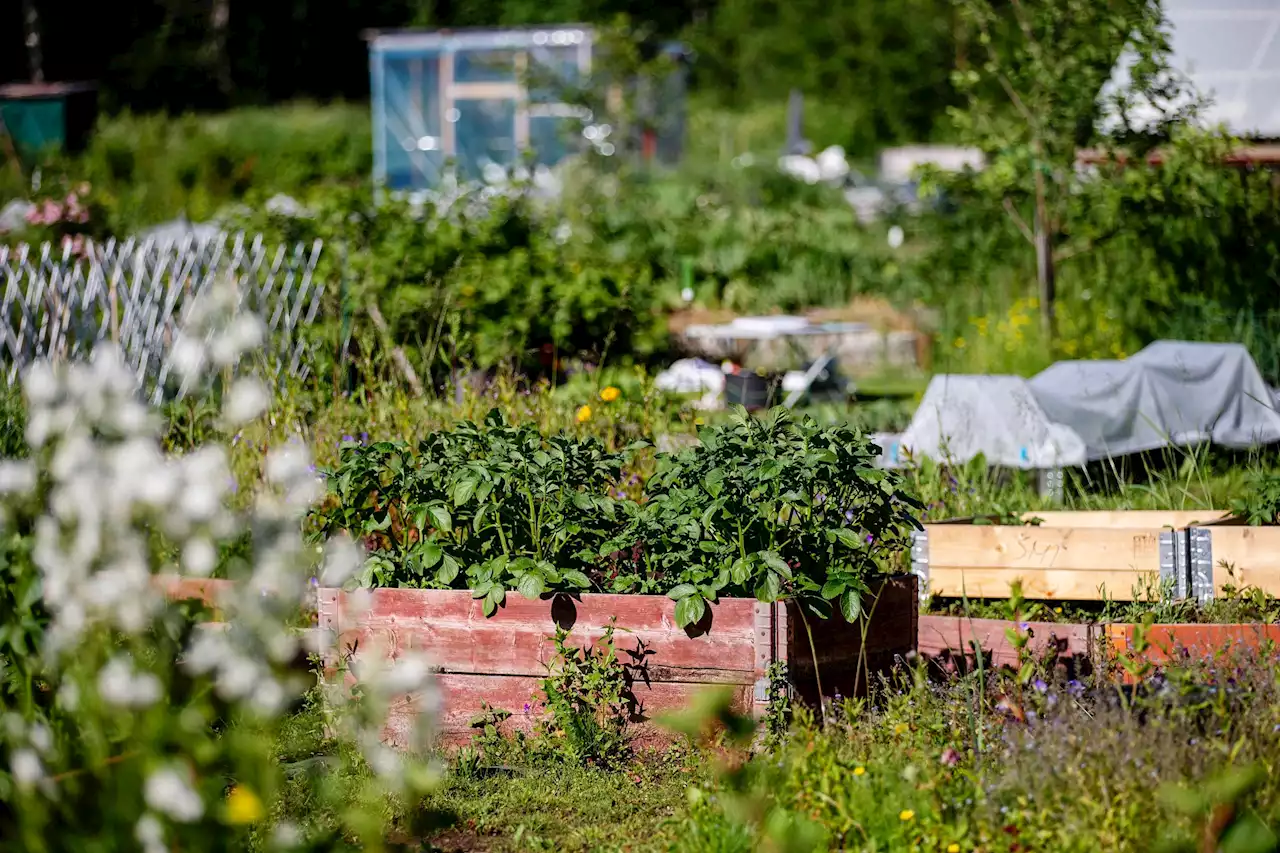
x=40 y=384
x=26 y=768
x=342 y=559
x=120 y=685
x=407 y=675
x=150 y=834
x=245 y=333
x=268 y=697
x=187 y=357
x=285 y=836
x=246 y=401
x=16 y=477
x=199 y=557
x=40 y=738
x=169 y=792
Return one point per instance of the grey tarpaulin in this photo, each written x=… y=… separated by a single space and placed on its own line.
x=998 y=417
x=1171 y=393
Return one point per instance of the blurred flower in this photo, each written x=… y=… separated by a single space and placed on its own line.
x=584 y=414
x=953 y=848
x=906 y=814
x=169 y=791
x=859 y=770
x=243 y=806
x=950 y=757
x=609 y=394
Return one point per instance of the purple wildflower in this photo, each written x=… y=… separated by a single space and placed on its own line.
x=1039 y=685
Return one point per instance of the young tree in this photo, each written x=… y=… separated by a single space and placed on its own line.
x=1044 y=86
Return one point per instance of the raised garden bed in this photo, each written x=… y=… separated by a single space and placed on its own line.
x=1078 y=556
x=1229 y=552
x=951 y=643
x=500 y=660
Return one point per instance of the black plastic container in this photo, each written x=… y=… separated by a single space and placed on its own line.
x=752 y=390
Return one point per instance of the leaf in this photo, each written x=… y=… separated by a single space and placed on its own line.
x=770 y=588
x=774 y=561
x=576 y=578
x=689 y=610
x=463 y=489
x=1249 y=835
x=448 y=570
x=440 y=518
x=846 y=537
x=431 y=554
x=682 y=591
x=832 y=588
x=851 y=605
x=531 y=586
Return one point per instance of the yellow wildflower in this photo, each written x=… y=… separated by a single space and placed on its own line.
x=243 y=806
x=953 y=848
x=859 y=770
x=906 y=814
x=584 y=414
x=609 y=394
x=900 y=729
x=1057 y=610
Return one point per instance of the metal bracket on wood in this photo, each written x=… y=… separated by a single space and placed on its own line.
x=920 y=560
x=1174 y=573
x=1200 y=562
x=1052 y=483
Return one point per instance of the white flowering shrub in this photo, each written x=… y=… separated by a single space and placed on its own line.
x=130 y=721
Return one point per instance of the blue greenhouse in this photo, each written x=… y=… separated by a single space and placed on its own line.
x=474 y=100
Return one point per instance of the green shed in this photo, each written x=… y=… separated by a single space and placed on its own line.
x=39 y=116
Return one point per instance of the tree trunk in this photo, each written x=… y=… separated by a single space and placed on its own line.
x=1044 y=257
x=31 y=27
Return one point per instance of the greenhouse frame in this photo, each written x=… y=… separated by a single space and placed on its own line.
x=481 y=101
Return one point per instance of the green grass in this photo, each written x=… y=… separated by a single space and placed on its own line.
x=560 y=807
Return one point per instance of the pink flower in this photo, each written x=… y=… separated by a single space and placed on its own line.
x=950 y=757
x=52 y=212
x=34 y=216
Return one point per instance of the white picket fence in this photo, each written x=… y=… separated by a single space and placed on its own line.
x=59 y=304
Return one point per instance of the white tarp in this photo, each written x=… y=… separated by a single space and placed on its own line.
x=1170 y=393
x=998 y=417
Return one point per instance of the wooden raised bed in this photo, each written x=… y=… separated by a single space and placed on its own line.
x=1069 y=556
x=500 y=660
x=950 y=643
x=1229 y=552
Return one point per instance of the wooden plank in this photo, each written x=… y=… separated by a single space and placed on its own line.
x=1251 y=553
x=1126 y=518
x=1052 y=548
x=1053 y=584
x=732 y=616
x=507 y=649
x=949 y=642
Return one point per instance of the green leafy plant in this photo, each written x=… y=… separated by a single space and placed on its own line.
x=589 y=700
x=1227 y=824
x=769 y=507
x=1258 y=502
x=489 y=507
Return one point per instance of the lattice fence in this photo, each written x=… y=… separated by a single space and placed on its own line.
x=61 y=305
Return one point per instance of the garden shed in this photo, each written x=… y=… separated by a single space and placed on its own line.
x=479 y=101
